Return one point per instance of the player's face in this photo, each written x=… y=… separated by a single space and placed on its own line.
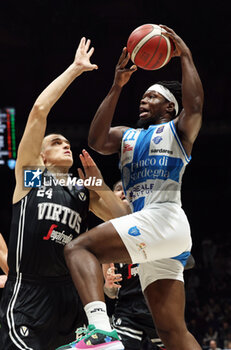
x=119 y=192
x=152 y=107
x=56 y=151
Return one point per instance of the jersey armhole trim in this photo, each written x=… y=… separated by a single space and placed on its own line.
x=173 y=128
x=122 y=143
x=125 y=132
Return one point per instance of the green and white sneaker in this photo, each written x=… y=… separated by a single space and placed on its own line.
x=96 y=339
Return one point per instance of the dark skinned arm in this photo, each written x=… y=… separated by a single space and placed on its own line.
x=189 y=121
x=102 y=137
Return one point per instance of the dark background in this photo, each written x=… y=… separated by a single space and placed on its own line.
x=38 y=40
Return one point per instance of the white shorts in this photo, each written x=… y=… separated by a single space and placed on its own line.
x=152 y=271
x=157 y=232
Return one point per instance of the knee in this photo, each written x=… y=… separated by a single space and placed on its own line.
x=72 y=247
x=68 y=250
x=168 y=330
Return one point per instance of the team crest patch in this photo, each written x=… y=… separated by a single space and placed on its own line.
x=160 y=130
x=157 y=139
x=82 y=196
x=134 y=231
x=24 y=331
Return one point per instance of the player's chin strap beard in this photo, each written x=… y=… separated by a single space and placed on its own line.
x=143 y=123
x=166 y=93
x=146 y=122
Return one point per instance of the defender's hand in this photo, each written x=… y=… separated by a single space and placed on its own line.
x=82 y=56
x=91 y=170
x=3 y=279
x=112 y=278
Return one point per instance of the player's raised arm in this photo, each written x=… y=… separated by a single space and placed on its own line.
x=102 y=138
x=190 y=119
x=30 y=145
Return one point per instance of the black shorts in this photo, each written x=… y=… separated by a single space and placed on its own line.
x=39 y=315
x=136 y=331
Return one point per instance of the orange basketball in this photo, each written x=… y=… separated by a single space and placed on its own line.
x=149 y=48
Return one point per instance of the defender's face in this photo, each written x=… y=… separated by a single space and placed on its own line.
x=119 y=192
x=56 y=151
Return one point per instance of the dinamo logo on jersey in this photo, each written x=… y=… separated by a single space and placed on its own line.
x=134 y=231
x=157 y=139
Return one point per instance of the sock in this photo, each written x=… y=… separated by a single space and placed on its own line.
x=96 y=312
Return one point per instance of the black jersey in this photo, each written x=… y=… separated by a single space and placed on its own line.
x=43 y=222
x=40 y=307
x=130 y=299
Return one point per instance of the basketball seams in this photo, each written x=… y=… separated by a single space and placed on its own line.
x=168 y=51
x=141 y=43
x=157 y=47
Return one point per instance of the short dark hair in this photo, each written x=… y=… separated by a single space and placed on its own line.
x=174 y=87
x=115 y=184
x=54 y=133
x=51 y=133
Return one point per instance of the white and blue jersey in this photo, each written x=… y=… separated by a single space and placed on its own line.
x=157 y=233
x=152 y=165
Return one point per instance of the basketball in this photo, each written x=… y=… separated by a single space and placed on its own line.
x=149 y=48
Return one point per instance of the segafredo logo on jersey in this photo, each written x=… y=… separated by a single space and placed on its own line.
x=58 y=237
x=36 y=178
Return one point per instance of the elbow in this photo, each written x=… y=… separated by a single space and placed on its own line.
x=198 y=104
x=196 y=107
x=96 y=146
x=39 y=109
x=6 y=270
x=91 y=142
